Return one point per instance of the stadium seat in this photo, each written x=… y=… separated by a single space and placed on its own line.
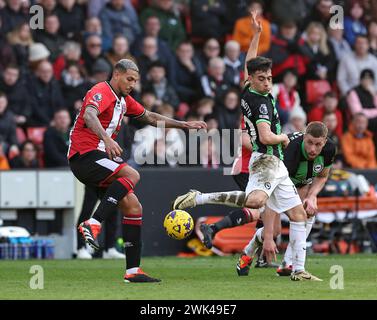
x=36 y=134
x=315 y=90
x=231 y=240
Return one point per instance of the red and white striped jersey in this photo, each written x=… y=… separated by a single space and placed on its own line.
x=111 y=110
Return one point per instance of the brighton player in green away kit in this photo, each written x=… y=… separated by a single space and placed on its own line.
x=269 y=183
x=308 y=159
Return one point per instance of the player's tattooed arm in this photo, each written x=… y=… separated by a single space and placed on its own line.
x=153 y=118
x=93 y=123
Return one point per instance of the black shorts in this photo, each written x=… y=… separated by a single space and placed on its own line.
x=94 y=168
x=241 y=179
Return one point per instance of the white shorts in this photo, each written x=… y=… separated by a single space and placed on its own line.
x=269 y=174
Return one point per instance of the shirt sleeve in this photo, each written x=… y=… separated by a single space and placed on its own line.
x=292 y=158
x=134 y=108
x=97 y=99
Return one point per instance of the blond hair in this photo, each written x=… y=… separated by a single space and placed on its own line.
x=323 y=47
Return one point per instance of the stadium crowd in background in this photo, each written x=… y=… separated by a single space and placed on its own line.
x=190 y=54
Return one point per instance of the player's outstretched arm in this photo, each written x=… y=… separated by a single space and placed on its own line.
x=253 y=48
x=93 y=123
x=152 y=118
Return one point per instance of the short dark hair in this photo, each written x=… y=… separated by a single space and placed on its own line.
x=156 y=64
x=317 y=129
x=258 y=64
x=367 y=73
x=330 y=94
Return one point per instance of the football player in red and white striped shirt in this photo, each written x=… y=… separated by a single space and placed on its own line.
x=94 y=158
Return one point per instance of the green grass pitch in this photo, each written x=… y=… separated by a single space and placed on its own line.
x=185 y=279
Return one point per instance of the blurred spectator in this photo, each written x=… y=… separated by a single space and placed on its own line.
x=95 y=6
x=71 y=54
x=12 y=15
x=71 y=17
x=120 y=50
x=243 y=32
x=152 y=27
x=172 y=30
x=56 y=140
x=27 y=158
x=372 y=35
x=148 y=100
x=7 y=55
x=320 y=13
x=357 y=144
x=285 y=51
x=21 y=39
x=353 y=24
x=319 y=59
x=159 y=84
x=211 y=49
x=234 y=10
x=37 y=54
x=204 y=107
x=101 y=71
x=329 y=105
x=330 y=121
x=74 y=87
x=286 y=95
x=187 y=73
x=228 y=113
x=283 y=10
x=351 y=65
x=162 y=145
x=117 y=18
x=93 y=25
x=233 y=63
x=363 y=98
x=339 y=45
x=49 y=6
x=208 y=18
x=214 y=84
x=4 y=164
x=92 y=52
x=45 y=95
x=8 y=136
x=15 y=89
x=149 y=54
x=297 y=121
x=50 y=36
x=209 y=148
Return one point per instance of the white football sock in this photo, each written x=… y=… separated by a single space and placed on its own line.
x=253 y=245
x=132 y=270
x=231 y=198
x=288 y=253
x=94 y=221
x=297 y=239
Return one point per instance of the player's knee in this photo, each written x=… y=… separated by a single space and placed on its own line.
x=130 y=174
x=135 y=209
x=255 y=201
x=297 y=214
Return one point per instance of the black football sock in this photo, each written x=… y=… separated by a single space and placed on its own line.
x=234 y=218
x=115 y=192
x=132 y=244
